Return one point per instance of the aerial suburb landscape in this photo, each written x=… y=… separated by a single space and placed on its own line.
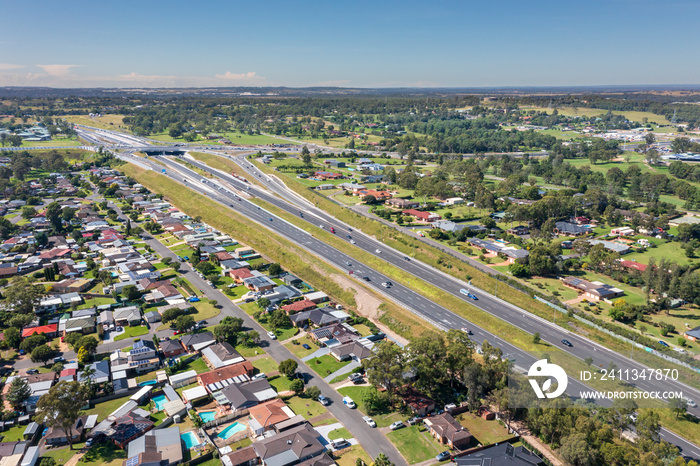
x=365 y=234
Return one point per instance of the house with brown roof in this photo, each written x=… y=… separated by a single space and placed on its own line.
x=239 y=275
x=399 y=203
x=244 y=457
x=593 y=291
x=235 y=373
x=72 y=285
x=127 y=428
x=416 y=401
x=265 y=416
x=56 y=436
x=299 y=306
x=448 y=431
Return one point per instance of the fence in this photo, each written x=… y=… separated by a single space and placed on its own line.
x=114 y=396
x=620 y=337
x=228 y=417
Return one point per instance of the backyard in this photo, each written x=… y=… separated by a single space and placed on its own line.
x=415 y=443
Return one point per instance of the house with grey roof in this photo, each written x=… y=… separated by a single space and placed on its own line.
x=290 y=447
x=100 y=375
x=244 y=395
x=504 y=454
x=611 y=246
x=221 y=355
x=161 y=447
x=572 y=229
x=130 y=315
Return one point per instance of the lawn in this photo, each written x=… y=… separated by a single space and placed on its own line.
x=205 y=310
x=248 y=351
x=298 y=350
x=339 y=433
x=280 y=383
x=106 y=408
x=265 y=365
x=414 y=445
x=671 y=251
x=196 y=364
x=552 y=285
x=349 y=456
x=14 y=434
x=486 y=432
x=131 y=332
x=104 y=453
x=325 y=365
x=305 y=407
x=63 y=454
x=236 y=292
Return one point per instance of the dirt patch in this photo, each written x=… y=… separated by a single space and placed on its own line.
x=367 y=305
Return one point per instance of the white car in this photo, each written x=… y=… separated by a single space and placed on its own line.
x=370 y=422
x=347 y=401
x=352 y=241
x=377 y=251
x=396 y=425
x=272 y=335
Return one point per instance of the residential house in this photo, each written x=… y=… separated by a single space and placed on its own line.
x=693 y=334
x=171 y=348
x=50 y=330
x=447 y=225
x=265 y=416
x=454 y=201
x=72 y=285
x=100 y=373
x=593 y=291
x=611 y=246
x=197 y=341
x=448 y=431
x=220 y=355
x=357 y=350
x=633 y=265
x=571 y=229
x=623 y=231
x=282 y=293
x=299 y=306
x=239 y=275
x=290 y=447
x=218 y=378
x=417 y=402
x=422 y=216
x=243 y=457
x=127 y=428
x=292 y=280
x=319 y=317
x=259 y=283
x=241 y=396
x=84 y=325
x=503 y=454
x=336 y=334
x=160 y=447
x=56 y=437
x=130 y=315
x=400 y=203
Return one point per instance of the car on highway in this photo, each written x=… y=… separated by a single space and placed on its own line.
x=406 y=258
x=347 y=401
x=567 y=343
x=323 y=400
x=378 y=251
x=348 y=263
x=365 y=278
x=397 y=425
x=467 y=331
x=272 y=335
x=270 y=219
x=473 y=296
x=370 y=422
x=352 y=241
x=443 y=456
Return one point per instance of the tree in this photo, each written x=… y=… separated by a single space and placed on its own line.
x=60 y=407
x=577 y=451
x=12 y=337
x=312 y=392
x=32 y=342
x=21 y=295
x=131 y=293
x=53 y=215
x=648 y=425
x=228 y=330
x=28 y=212
x=41 y=353
x=88 y=343
x=184 y=323
x=678 y=406
x=536 y=338
x=288 y=367
x=297 y=386
x=274 y=269
x=382 y=460
x=305 y=156
x=386 y=366
x=278 y=319
x=83 y=356
x=18 y=393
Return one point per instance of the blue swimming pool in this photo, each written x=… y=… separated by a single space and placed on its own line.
x=230 y=430
x=208 y=416
x=148 y=382
x=191 y=440
x=160 y=401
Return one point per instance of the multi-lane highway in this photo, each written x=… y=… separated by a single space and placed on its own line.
x=430 y=311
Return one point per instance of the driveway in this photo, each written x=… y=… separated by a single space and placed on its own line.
x=343 y=370
x=317 y=354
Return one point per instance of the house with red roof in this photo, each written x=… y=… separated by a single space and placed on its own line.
x=50 y=330
x=633 y=265
x=299 y=306
x=239 y=275
x=422 y=216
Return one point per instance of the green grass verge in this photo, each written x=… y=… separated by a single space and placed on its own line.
x=131 y=332
x=265 y=365
x=325 y=365
x=339 y=433
x=414 y=445
x=305 y=406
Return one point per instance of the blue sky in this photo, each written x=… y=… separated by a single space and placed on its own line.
x=155 y=43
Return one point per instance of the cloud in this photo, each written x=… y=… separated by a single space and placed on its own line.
x=9 y=66
x=145 y=77
x=57 y=70
x=249 y=77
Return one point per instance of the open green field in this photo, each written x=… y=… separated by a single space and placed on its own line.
x=669 y=250
x=131 y=332
x=486 y=432
x=300 y=351
x=106 y=408
x=588 y=112
x=265 y=365
x=56 y=142
x=415 y=444
x=235 y=137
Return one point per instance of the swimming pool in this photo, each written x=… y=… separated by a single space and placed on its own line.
x=230 y=430
x=148 y=382
x=208 y=416
x=160 y=401
x=191 y=440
